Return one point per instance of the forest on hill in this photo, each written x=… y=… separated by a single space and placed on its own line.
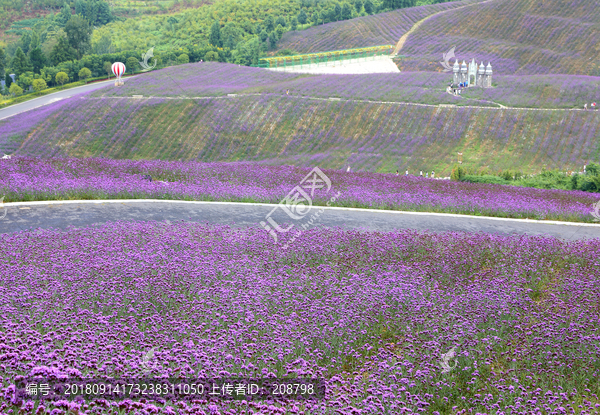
x=85 y=37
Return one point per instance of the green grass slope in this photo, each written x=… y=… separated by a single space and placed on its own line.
x=300 y=131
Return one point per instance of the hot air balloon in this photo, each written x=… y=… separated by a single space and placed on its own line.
x=118 y=68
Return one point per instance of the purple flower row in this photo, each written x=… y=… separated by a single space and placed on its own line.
x=26 y=179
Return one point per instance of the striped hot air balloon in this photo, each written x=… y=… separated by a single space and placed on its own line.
x=118 y=69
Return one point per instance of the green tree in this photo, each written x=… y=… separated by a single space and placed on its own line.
x=35 y=40
x=107 y=67
x=62 y=78
x=15 y=89
x=358 y=5
x=78 y=33
x=211 y=56
x=263 y=36
x=65 y=14
x=273 y=39
x=37 y=59
x=104 y=44
x=346 y=11
x=84 y=74
x=62 y=52
x=26 y=41
x=280 y=21
x=369 y=7
x=80 y=8
x=48 y=74
x=302 y=17
x=337 y=11
x=294 y=23
x=2 y=61
x=131 y=63
x=215 y=35
x=183 y=58
x=248 y=52
x=20 y=63
x=8 y=81
x=231 y=35
x=269 y=24
x=39 y=85
x=280 y=31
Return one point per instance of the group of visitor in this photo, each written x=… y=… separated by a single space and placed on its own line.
x=593 y=106
x=420 y=174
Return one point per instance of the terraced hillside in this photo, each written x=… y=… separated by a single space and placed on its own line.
x=379 y=29
x=303 y=132
x=376 y=123
x=517 y=36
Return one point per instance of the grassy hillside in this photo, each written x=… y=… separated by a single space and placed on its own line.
x=303 y=132
x=214 y=79
x=517 y=36
x=379 y=29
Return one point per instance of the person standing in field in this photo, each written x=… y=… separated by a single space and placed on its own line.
x=585 y=106
x=397 y=173
x=432 y=173
x=406 y=173
x=421 y=173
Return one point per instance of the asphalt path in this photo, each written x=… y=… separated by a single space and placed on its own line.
x=50 y=98
x=23 y=216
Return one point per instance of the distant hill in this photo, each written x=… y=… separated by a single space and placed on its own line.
x=374 y=30
x=517 y=36
x=278 y=128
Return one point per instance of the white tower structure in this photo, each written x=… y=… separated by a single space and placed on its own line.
x=456 y=73
x=463 y=72
x=488 y=76
x=481 y=75
x=472 y=73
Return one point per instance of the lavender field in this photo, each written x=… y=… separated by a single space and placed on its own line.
x=27 y=179
x=281 y=130
x=217 y=80
x=532 y=37
x=374 y=30
x=369 y=313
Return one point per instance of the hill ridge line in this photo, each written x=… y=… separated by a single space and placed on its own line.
x=404 y=37
x=335 y=99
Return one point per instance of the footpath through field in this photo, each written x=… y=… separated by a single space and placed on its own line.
x=234 y=96
x=21 y=216
x=404 y=37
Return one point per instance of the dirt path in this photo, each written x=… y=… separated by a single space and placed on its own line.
x=404 y=37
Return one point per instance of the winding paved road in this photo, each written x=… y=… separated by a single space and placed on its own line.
x=50 y=98
x=62 y=214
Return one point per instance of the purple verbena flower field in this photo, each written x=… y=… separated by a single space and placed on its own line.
x=211 y=79
x=374 y=30
x=370 y=313
x=521 y=37
x=29 y=178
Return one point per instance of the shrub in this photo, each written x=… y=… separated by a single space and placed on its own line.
x=15 y=89
x=183 y=58
x=61 y=78
x=484 y=179
x=211 y=56
x=39 y=85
